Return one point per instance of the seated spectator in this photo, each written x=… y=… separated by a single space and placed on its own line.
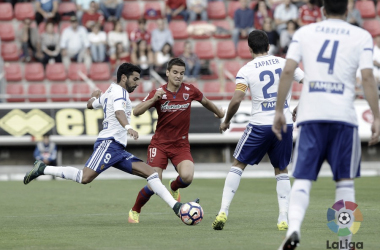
x=161 y=36
x=287 y=35
x=201 y=29
x=91 y=17
x=272 y=35
x=193 y=64
x=175 y=8
x=83 y=6
x=117 y=35
x=74 y=44
x=197 y=8
x=353 y=14
x=119 y=56
x=243 y=20
x=140 y=34
x=299 y=3
x=309 y=13
x=262 y=11
x=161 y=58
x=30 y=42
x=283 y=13
x=272 y=4
x=46 y=151
x=98 y=41
x=50 y=45
x=47 y=10
x=112 y=9
x=143 y=57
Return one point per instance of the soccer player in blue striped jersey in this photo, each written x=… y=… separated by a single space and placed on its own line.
x=109 y=148
x=331 y=52
x=261 y=76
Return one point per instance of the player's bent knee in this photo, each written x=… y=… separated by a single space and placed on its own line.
x=187 y=178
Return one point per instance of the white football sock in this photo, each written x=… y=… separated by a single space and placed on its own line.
x=230 y=187
x=157 y=187
x=345 y=191
x=283 y=194
x=68 y=173
x=299 y=201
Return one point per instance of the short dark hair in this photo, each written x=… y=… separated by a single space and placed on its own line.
x=127 y=69
x=175 y=61
x=258 y=41
x=335 y=7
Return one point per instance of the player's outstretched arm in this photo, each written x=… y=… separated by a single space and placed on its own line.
x=95 y=95
x=370 y=92
x=233 y=107
x=212 y=107
x=122 y=118
x=146 y=104
x=286 y=80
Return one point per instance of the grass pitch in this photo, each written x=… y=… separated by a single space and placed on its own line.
x=66 y=215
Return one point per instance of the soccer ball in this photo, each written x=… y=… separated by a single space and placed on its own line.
x=191 y=213
x=344 y=218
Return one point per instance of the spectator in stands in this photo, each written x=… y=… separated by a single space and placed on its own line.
x=193 y=64
x=272 y=4
x=287 y=35
x=46 y=151
x=98 y=41
x=50 y=45
x=243 y=20
x=112 y=9
x=74 y=44
x=268 y=27
x=120 y=55
x=283 y=13
x=143 y=57
x=91 y=17
x=46 y=10
x=161 y=36
x=175 y=8
x=197 y=8
x=161 y=58
x=140 y=34
x=30 y=42
x=353 y=15
x=262 y=11
x=298 y=3
x=309 y=13
x=117 y=35
x=82 y=6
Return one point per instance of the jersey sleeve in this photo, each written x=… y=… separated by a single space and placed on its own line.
x=294 y=51
x=298 y=75
x=241 y=81
x=366 y=60
x=150 y=96
x=197 y=94
x=119 y=100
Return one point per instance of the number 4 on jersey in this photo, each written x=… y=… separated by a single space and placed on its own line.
x=331 y=60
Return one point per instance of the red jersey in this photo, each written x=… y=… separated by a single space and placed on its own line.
x=138 y=35
x=173 y=111
x=309 y=16
x=96 y=17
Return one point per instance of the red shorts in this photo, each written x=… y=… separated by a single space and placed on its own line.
x=158 y=155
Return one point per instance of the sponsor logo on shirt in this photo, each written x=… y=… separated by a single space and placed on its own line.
x=172 y=108
x=328 y=87
x=269 y=106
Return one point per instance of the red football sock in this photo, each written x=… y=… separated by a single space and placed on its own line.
x=142 y=198
x=178 y=183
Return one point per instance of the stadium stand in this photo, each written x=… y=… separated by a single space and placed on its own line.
x=366 y=8
x=6 y=32
x=232 y=67
x=24 y=10
x=225 y=50
x=152 y=10
x=81 y=92
x=34 y=72
x=66 y=7
x=373 y=27
x=243 y=50
x=216 y=10
x=9 y=52
x=131 y=11
x=100 y=72
x=73 y=71
x=6 y=12
x=16 y=90
x=204 y=50
x=13 y=72
x=212 y=90
x=59 y=92
x=37 y=92
x=178 y=29
x=56 y=72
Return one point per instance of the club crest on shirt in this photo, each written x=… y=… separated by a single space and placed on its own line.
x=185 y=96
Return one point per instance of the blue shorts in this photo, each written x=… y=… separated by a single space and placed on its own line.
x=258 y=140
x=337 y=142
x=109 y=153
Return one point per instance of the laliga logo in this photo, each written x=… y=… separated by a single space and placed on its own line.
x=344 y=219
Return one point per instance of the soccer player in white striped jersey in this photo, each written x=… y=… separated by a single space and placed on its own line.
x=109 y=148
x=261 y=76
x=331 y=52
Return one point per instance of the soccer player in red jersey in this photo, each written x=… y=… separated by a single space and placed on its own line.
x=170 y=141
